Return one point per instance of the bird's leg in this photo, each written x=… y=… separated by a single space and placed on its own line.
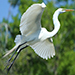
x=14 y=53
x=15 y=58
x=16 y=50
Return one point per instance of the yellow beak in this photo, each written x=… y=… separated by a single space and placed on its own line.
x=69 y=10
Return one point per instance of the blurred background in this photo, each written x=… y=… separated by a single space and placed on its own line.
x=28 y=62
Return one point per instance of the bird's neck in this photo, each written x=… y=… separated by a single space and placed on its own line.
x=56 y=24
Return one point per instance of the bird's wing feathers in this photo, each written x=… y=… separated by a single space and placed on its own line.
x=44 y=49
x=31 y=19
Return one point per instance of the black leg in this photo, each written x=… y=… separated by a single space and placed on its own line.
x=14 y=53
x=15 y=58
x=16 y=50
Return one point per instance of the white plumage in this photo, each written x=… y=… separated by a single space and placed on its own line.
x=31 y=19
x=38 y=38
x=44 y=49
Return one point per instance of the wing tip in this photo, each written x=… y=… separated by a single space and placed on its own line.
x=43 y=5
x=47 y=57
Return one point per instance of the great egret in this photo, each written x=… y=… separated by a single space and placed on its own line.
x=33 y=35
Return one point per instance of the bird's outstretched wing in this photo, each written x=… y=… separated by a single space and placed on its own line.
x=44 y=49
x=31 y=19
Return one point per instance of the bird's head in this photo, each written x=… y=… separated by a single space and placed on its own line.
x=62 y=10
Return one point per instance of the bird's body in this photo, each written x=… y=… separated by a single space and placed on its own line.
x=33 y=33
x=38 y=38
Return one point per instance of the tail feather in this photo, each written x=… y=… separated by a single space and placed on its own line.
x=10 y=51
x=17 y=41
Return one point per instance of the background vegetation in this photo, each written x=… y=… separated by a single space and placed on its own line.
x=28 y=62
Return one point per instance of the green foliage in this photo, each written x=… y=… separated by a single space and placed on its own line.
x=24 y=5
x=67 y=63
x=28 y=62
x=14 y=27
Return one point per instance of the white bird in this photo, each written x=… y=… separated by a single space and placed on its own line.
x=33 y=35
